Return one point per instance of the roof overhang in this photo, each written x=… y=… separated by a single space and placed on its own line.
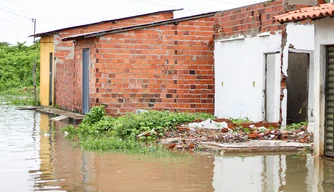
x=137 y=27
x=312 y=13
x=104 y=21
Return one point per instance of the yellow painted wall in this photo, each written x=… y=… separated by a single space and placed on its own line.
x=46 y=47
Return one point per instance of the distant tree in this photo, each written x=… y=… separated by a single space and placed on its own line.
x=16 y=63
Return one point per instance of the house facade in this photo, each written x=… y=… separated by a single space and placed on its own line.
x=323 y=72
x=57 y=73
x=164 y=65
x=236 y=64
x=263 y=68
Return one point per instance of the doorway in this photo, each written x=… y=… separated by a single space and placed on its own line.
x=297 y=87
x=85 y=81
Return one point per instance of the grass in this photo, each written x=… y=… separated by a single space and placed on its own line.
x=296 y=126
x=25 y=91
x=99 y=132
x=240 y=121
x=117 y=145
x=20 y=96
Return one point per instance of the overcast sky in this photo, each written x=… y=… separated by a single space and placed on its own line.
x=16 y=24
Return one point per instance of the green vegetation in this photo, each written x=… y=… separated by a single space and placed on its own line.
x=16 y=64
x=120 y=134
x=240 y=121
x=296 y=126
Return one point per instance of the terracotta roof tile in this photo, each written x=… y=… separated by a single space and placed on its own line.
x=316 y=12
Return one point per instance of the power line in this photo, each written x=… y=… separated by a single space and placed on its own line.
x=162 y=4
x=48 y=10
x=8 y=22
x=232 y=2
x=157 y=3
x=15 y=13
x=12 y=23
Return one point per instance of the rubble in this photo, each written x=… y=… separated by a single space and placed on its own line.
x=192 y=136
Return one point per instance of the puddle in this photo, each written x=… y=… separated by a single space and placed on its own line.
x=32 y=160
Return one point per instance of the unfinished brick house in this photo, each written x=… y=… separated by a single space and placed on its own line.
x=164 y=65
x=58 y=73
x=261 y=66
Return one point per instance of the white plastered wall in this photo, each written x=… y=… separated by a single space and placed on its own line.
x=301 y=38
x=240 y=72
x=324 y=35
x=239 y=75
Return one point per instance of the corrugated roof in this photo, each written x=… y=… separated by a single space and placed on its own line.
x=313 y=13
x=105 y=21
x=136 y=27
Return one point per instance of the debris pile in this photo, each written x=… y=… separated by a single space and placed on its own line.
x=192 y=135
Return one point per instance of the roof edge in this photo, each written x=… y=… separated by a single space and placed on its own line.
x=137 y=27
x=104 y=21
x=306 y=13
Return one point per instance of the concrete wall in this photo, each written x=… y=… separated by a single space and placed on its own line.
x=162 y=67
x=243 y=37
x=242 y=61
x=240 y=73
x=240 y=76
x=323 y=36
x=46 y=47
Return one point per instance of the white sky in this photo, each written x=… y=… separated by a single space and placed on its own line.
x=16 y=24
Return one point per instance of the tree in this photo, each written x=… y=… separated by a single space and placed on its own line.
x=16 y=63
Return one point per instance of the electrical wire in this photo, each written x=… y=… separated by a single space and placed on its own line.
x=48 y=10
x=233 y=2
x=162 y=4
x=12 y=12
x=8 y=22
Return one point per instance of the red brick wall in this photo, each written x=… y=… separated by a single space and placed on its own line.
x=162 y=67
x=249 y=20
x=68 y=71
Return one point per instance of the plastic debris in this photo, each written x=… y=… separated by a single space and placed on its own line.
x=208 y=124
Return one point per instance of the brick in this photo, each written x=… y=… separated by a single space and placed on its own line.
x=131 y=72
x=245 y=20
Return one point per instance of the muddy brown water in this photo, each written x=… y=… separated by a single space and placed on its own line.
x=31 y=159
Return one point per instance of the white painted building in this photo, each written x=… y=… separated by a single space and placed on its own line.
x=248 y=73
x=323 y=73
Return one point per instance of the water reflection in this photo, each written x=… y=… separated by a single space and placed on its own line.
x=32 y=159
x=263 y=173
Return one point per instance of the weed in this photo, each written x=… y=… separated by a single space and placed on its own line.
x=246 y=130
x=240 y=121
x=94 y=115
x=116 y=144
x=21 y=101
x=57 y=106
x=105 y=133
x=296 y=126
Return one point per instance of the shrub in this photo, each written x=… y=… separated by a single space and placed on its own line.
x=94 y=115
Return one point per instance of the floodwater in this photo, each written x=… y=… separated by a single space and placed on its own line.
x=32 y=159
